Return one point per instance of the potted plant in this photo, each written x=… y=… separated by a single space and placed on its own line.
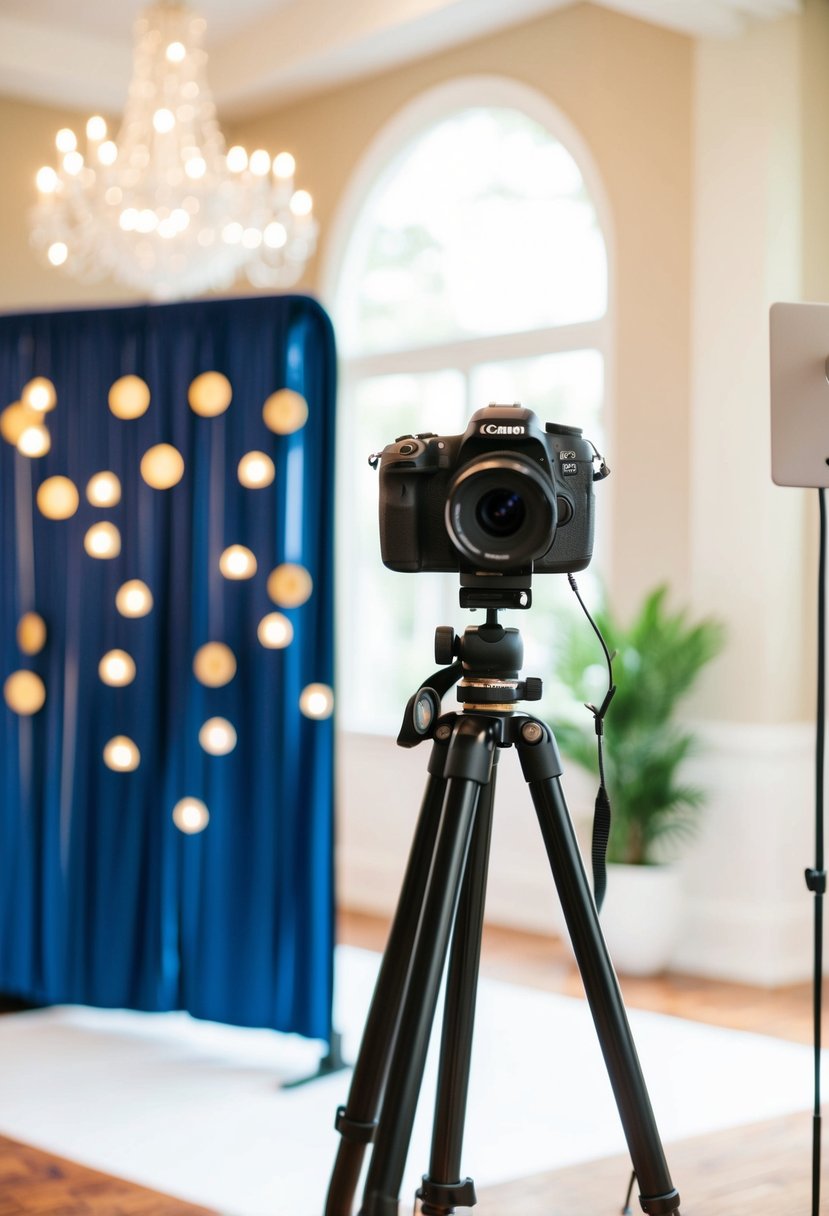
x=657 y=658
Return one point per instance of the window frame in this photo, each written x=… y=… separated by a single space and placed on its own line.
x=390 y=144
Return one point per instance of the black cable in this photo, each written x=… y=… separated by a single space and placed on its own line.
x=602 y=812
x=816 y=878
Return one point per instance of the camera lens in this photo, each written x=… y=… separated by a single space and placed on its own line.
x=501 y=512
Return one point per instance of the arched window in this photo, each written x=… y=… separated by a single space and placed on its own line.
x=471 y=266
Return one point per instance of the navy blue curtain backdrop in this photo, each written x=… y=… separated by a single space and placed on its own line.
x=103 y=900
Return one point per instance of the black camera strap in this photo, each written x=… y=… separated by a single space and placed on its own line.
x=601 y=810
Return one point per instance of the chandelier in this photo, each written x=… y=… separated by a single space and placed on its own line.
x=165 y=208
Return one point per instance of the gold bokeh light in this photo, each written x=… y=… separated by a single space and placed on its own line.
x=209 y=394
x=317 y=701
x=134 y=598
x=122 y=755
x=117 y=668
x=162 y=466
x=34 y=440
x=190 y=815
x=103 y=490
x=256 y=470
x=24 y=693
x=290 y=585
x=214 y=664
x=237 y=562
x=285 y=412
x=14 y=420
x=129 y=397
x=57 y=498
x=31 y=633
x=39 y=394
x=102 y=540
x=218 y=736
x=275 y=631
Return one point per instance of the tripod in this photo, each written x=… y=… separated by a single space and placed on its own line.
x=442 y=898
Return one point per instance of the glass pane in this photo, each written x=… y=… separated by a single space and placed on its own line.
x=482 y=225
x=566 y=387
x=387 y=619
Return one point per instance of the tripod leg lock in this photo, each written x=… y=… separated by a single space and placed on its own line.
x=446 y=1196
x=352 y=1130
x=661 y=1205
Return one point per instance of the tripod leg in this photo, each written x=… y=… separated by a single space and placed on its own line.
x=542 y=769
x=442 y=1187
x=356 y=1120
x=468 y=767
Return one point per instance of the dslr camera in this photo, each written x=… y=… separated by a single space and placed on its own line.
x=508 y=498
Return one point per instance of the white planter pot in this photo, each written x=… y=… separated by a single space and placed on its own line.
x=641 y=917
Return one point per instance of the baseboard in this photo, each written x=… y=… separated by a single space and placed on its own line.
x=748 y=915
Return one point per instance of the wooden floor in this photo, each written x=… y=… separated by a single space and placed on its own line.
x=33 y=1183
x=759 y=1170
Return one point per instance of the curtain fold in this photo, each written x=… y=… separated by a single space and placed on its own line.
x=103 y=900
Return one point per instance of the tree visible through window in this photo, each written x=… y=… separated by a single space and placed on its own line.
x=475 y=270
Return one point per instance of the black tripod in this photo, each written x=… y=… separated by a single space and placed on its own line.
x=442 y=896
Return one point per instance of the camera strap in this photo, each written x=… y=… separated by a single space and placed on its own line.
x=601 y=810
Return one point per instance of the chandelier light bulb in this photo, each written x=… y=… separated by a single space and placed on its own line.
x=96 y=128
x=73 y=163
x=301 y=203
x=108 y=152
x=112 y=211
x=259 y=163
x=66 y=140
x=164 y=120
x=46 y=180
x=284 y=165
x=236 y=159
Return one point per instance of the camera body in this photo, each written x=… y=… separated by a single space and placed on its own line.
x=507 y=497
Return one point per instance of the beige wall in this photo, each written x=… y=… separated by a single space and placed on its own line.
x=626 y=86
x=27 y=135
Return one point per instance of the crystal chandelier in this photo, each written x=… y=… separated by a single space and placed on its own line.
x=165 y=208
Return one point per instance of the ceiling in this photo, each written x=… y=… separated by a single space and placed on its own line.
x=266 y=52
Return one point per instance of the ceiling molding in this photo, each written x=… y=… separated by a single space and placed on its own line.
x=299 y=47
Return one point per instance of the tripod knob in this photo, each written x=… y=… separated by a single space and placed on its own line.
x=532 y=689
x=444 y=644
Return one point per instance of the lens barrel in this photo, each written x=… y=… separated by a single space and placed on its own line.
x=501 y=511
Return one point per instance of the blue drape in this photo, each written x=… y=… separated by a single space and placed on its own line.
x=103 y=900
